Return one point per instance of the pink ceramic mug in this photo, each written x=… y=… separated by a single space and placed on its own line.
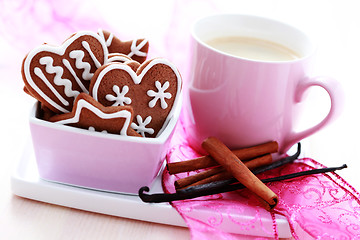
x=246 y=102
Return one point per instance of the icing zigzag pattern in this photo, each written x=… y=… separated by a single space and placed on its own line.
x=78 y=55
x=58 y=80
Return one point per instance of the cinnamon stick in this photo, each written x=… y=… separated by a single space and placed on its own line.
x=212 y=188
x=259 y=161
x=223 y=175
x=186 y=181
x=208 y=161
x=219 y=173
x=237 y=168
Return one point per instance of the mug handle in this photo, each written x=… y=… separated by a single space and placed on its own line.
x=333 y=88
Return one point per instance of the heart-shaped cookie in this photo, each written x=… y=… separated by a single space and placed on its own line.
x=153 y=91
x=118 y=57
x=122 y=58
x=135 y=49
x=55 y=75
x=89 y=114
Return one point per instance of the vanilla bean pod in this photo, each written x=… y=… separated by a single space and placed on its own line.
x=210 y=189
x=279 y=163
x=212 y=186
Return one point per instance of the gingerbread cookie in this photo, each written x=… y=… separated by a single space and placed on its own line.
x=152 y=91
x=118 y=57
x=136 y=49
x=55 y=75
x=89 y=114
x=44 y=113
x=122 y=58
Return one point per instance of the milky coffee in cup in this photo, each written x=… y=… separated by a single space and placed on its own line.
x=247 y=82
x=253 y=48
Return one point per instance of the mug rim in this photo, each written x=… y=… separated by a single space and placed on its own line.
x=200 y=41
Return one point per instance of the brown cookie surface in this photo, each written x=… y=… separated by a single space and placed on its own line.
x=152 y=91
x=136 y=49
x=89 y=114
x=55 y=75
x=118 y=57
x=122 y=58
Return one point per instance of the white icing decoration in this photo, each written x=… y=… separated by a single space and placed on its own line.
x=84 y=104
x=118 y=58
x=161 y=94
x=41 y=75
x=78 y=55
x=92 y=129
x=71 y=70
x=58 y=80
x=138 y=78
x=109 y=40
x=141 y=126
x=135 y=50
x=88 y=49
x=59 y=50
x=119 y=97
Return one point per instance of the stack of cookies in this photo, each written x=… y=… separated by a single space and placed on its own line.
x=97 y=82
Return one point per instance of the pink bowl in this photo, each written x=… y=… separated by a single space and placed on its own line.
x=96 y=160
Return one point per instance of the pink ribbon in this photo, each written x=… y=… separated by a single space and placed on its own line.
x=322 y=206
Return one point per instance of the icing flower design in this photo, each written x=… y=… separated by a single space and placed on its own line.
x=154 y=90
x=161 y=94
x=120 y=99
x=141 y=128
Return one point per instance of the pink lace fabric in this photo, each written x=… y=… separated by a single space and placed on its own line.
x=322 y=206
